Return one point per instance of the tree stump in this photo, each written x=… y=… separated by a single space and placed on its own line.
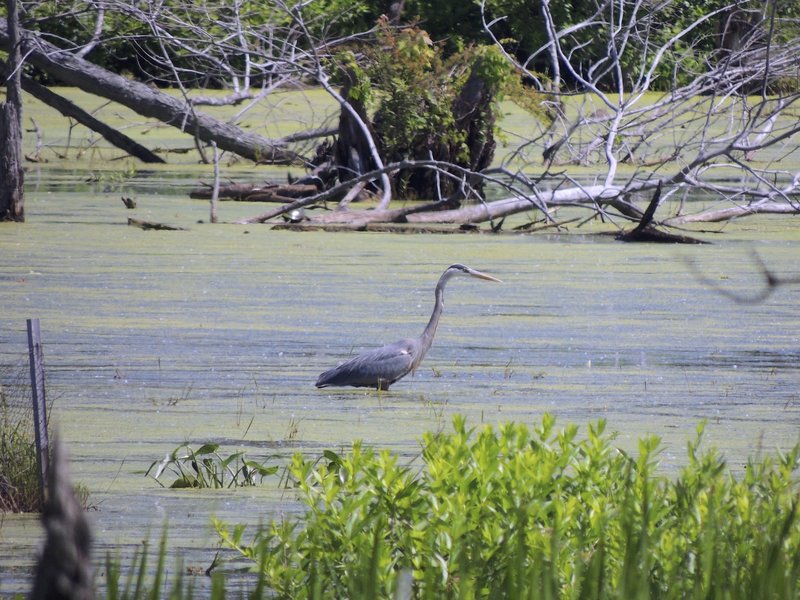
x=11 y=174
x=12 y=205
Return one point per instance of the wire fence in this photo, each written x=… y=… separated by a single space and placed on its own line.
x=19 y=477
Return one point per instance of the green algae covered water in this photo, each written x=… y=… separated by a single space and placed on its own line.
x=217 y=333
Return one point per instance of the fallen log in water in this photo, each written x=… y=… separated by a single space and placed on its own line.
x=378 y=227
x=646 y=232
x=248 y=192
x=141 y=224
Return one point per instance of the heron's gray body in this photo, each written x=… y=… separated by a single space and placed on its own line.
x=383 y=366
x=378 y=368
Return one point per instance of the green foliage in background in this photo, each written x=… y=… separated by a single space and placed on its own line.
x=414 y=94
x=206 y=41
x=518 y=513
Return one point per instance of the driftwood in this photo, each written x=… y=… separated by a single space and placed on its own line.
x=768 y=207
x=146 y=101
x=142 y=224
x=270 y=192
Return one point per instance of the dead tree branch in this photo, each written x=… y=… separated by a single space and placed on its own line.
x=71 y=110
x=148 y=102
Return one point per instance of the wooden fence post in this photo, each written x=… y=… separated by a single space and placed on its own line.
x=39 y=403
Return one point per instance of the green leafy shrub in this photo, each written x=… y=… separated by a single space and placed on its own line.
x=426 y=105
x=518 y=513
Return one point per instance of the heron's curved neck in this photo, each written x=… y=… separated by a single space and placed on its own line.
x=433 y=323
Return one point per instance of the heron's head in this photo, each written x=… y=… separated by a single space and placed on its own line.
x=459 y=269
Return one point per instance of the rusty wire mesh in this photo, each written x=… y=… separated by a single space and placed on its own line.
x=19 y=482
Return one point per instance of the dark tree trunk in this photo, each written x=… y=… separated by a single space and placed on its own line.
x=12 y=205
x=474 y=119
x=473 y=115
x=352 y=154
x=645 y=231
x=147 y=101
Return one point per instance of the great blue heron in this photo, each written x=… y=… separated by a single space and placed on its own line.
x=381 y=367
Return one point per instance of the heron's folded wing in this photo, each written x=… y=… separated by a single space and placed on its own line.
x=386 y=364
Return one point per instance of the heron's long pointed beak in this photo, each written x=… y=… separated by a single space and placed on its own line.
x=480 y=275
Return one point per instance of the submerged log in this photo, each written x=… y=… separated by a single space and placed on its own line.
x=142 y=224
x=652 y=235
x=379 y=227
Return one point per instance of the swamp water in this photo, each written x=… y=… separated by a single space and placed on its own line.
x=217 y=334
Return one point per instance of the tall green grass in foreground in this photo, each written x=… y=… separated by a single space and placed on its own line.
x=20 y=490
x=518 y=513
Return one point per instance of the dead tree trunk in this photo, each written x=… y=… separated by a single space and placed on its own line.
x=147 y=101
x=353 y=157
x=474 y=116
x=12 y=204
x=68 y=109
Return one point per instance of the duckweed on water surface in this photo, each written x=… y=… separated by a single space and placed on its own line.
x=246 y=318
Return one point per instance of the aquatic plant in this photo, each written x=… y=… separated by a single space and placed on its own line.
x=514 y=512
x=207 y=468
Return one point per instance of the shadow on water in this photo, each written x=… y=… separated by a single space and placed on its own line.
x=217 y=333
